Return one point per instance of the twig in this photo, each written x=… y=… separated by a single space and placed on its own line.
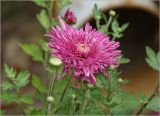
x=156 y=91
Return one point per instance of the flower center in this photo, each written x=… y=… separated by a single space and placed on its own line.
x=83 y=48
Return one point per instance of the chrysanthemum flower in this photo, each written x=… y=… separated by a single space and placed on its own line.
x=86 y=50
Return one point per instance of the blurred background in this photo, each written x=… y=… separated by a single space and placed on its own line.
x=19 y=25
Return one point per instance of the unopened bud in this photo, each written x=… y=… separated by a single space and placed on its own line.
x=70 y=17
x=89 y=85
x=112 y=13
x=111 y=67
x=73 y=96
x=50 y=99
x=120 y=80
x=55 y=61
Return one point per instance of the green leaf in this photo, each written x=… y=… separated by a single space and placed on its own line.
x=96 y=12
x=118 y=35
x=44 y=45
x=37 y=83
x=154 y=104
x=26 y=98
x=9 y=97
x=124 y=27
x=63 y=3
x=6 y=85
x=93 y=109
x=40 y=2
x=124 y=60
x=22 y=79
x=127 y=103
x=151 y=59
x=143 y=98
x=33 y=51
x=104 y=17
x=103 y=28
x=41 y=97
x=2 y=112
x=33 y=111
x=43 y=19
x=115 y=26
x=10 y=72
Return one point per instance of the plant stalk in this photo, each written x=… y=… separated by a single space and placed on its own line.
x=21 y=107
x=85 y=102
x=65 y=89
x=48 y=107
x=155 y=92
x=109 y=22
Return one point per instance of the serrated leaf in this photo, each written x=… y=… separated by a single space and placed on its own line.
x=40 y=2
x=9 y=97
x=37 y=83
x=124 y=27
x=26 y=98
x=33 y=51
x=151 y=59
x=119 y=35
x=22 y=79
x=103 y=28
x=43 y=19
x=93 y=109
x=96 y=12
x=10 y=72
x=6 y=85
x=128 y=102
x=124 y=60
x=154 y=104
x=44 y=45
x=115 y=26
x=143 y=98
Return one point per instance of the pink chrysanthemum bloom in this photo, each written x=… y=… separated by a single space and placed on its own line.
x=86 y=50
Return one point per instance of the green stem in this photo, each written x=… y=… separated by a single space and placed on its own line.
x=21 y=107
x=109 y=22
x=155 y=92
x=65 y=89
x=74 y=107
x=113 y=38
x=48 y=107
x=86 y=99
x=97 y=24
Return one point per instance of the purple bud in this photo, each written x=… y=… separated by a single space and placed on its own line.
x=70 y=17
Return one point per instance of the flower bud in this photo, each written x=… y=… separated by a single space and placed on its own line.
x=70 y=17
x=120 y=80
x=73 y=96
x=112 y=13
x=111 y=67
x=89 y=85
x=50 y=99
x=55 y=61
